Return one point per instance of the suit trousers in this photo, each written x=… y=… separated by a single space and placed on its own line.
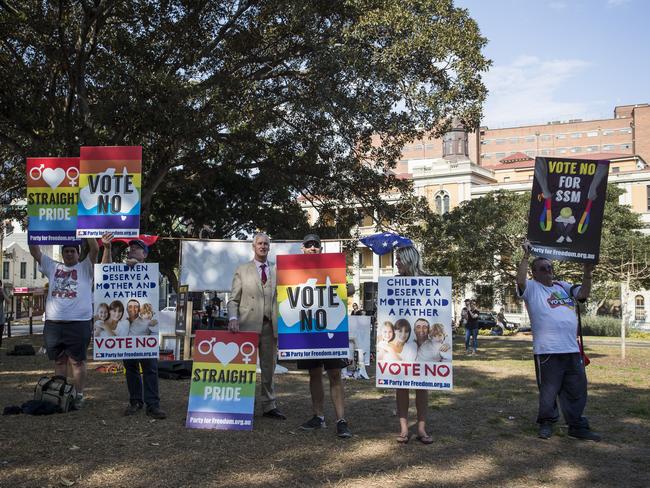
x=562 y=376
x=268 y=350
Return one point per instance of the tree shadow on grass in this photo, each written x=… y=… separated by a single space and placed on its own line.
x=484 y=434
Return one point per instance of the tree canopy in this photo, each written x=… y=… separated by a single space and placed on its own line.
x=243 y=106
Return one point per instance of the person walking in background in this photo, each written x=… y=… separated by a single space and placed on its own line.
x=471 y=328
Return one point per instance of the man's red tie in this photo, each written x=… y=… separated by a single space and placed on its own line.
x=264 y=277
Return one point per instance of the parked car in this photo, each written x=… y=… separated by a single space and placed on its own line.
x=486 y=320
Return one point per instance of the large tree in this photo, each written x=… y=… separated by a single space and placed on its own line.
x=241 y=106
x=479 y=241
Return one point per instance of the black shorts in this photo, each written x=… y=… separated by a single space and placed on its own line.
x=325 y=363
x=69 y=338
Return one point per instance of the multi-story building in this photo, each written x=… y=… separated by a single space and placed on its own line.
x=461 y=166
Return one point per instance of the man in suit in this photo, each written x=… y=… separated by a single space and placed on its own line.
x=252 y=308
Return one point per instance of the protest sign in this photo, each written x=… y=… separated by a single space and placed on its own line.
x=109 y=193
x=414 y=333
x=312 y=298
x=566 y=208
x=222 y=389
x=125 y=324
x=52 y=196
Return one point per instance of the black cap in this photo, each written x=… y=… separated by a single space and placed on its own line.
x=311 y=238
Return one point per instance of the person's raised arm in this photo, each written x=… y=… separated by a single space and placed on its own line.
x=585 y=287
x=107 y=240
x=522 y=269
x=35 y=251
x=93 y=249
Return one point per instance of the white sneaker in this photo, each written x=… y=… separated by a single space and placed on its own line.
x=560 y=239
x=568 y=239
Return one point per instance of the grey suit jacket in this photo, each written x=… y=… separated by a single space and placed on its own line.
x=247 y=298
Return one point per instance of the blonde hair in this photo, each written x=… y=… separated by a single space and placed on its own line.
x=410 y=257
x=146 y=308
x=437 y=329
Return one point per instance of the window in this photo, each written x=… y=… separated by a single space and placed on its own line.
x=546 y=152
x=428 y=147
x=639 y=308
x=575 y=149
x=546 y=137
x=500 y=141
x=608 y=147
x=592 y=148
x=647 y=191
x=486 y=156
x=560 y=136
x=561 y=150
x=500 y=155
x=530 y=153
x=386 y=260
x=576 y=135
x=485 y=142
x=627 y=130
x=616 y=169
x=626 y=146
x=23 y=270
x=530 y=139
x=441 y=201
x=506 y=178
x=513 y=140
x=607 y=132
x=5 y=264
x=592 y=133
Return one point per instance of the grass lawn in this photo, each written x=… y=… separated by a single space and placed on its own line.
x=484 y=431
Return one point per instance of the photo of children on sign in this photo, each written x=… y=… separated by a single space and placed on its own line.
x=566 y=208
x=125 y=323
x=414 y=348
x=312 y=305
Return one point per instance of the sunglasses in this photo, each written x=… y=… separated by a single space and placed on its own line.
x=311 y=244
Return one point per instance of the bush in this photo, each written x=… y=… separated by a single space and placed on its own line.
x=594 y=325
x=638 y=334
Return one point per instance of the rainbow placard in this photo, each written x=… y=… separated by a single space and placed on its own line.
x=222 y=389
x=52 y=196
x=312 y=306
x=109 y=193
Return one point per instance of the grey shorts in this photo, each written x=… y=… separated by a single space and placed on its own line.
x=67 y=338
x=325 y=363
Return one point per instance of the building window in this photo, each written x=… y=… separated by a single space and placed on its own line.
x=607 y=132
x=23 y=270
x=608 y=147
x=647 y=190
x=386 y=260
x=34 y=270
x=506 y=178
x=500 y=155
x=625 y=146
x=592 y=133
x=530 y=139
x=442 y=202
x=485 y=142
x=560 y=136
x=616 y=169
x=576 y=135
x=575 y=149
x=627 y=130
x=5 y=265
x=486 y=156
x=546 y=137
x=561 y=150
x=513 y=140
x=530 y=153
x=639 y=308
x=592 y=148
x=500 y=141
x=546 y=152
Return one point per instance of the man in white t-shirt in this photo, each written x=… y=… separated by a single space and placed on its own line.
x=69 y=310
x=558 y=362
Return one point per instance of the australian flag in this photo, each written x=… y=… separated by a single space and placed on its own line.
x=385 y=242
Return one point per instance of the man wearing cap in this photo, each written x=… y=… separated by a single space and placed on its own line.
x=143 y=388
x=68 y=310
x=311 y=244
x=252 y=308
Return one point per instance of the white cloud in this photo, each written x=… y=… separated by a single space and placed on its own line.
x=529 y=89
x=617 y=3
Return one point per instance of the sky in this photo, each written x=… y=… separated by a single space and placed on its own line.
x=562 y=59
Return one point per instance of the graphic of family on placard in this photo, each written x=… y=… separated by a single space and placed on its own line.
x=110 y=320
x=424 y=342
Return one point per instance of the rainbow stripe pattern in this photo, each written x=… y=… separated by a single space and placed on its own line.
x=312 y=306
x=546 y=218
x=52 y=195
x=584 y=220
x=109 y=191
x=222 y=388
